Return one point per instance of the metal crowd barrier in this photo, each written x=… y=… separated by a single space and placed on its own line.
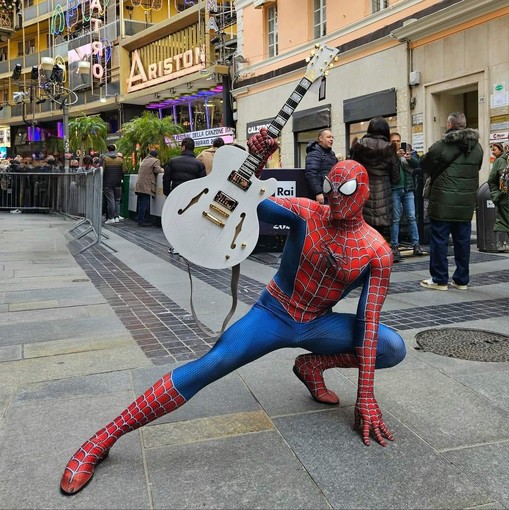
x=76 y=194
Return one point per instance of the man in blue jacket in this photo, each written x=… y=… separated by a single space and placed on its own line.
x=320 y=158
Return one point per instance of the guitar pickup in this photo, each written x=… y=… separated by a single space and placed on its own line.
x=226 y=201
x=239 y=180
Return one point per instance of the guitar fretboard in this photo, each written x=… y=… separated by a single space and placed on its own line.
x=278 y=122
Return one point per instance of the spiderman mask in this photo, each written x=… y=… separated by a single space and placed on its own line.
x=347 y=190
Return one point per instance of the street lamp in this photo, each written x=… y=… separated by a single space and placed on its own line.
x=50 y=77
x=53 y=87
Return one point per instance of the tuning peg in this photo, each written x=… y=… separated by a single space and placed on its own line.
x=331 y=66
x=317 y=45
x=313 y=53
x=336 y=58
x=308 y=59
x=326 y=73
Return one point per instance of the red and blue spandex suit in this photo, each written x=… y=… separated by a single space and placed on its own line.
x=330 y=250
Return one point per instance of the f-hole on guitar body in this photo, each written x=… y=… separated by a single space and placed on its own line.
x=212 y=221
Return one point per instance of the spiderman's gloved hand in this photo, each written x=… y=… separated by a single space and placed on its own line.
x=262 y=145
x=369 y=416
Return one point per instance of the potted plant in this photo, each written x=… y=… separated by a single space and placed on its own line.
x=147 y=132
x=88 y=132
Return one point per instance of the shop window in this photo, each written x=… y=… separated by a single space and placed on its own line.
x=319 y=18
x=272 y=39
x=3 y=54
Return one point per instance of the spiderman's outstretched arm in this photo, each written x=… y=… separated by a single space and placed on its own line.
x=367 y=412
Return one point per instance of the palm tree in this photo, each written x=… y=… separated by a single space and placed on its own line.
x=88 y=132
x=148 y=132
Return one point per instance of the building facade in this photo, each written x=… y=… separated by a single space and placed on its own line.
x=225 y=68
x=116 y=58
x=411 y=61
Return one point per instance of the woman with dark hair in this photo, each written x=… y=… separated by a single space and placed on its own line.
x=375 y=152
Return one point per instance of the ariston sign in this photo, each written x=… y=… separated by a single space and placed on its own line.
x=143 y=76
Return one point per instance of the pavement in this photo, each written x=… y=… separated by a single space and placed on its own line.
x=83 y=334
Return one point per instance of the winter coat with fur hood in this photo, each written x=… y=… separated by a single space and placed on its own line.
x=378 y=156
x=454 y=189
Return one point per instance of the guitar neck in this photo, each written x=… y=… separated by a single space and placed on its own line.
x=280 y=120
x=274 y=130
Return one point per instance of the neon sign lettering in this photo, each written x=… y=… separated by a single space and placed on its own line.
x=168 y=69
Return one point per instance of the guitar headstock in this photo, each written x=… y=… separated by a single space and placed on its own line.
x=320 y=61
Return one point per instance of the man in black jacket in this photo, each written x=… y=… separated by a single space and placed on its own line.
x=320 y=158
x=113 y=171
x=182 y=168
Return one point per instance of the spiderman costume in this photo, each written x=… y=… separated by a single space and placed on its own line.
x=330 y=250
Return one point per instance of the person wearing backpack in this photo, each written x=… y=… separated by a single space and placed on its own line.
x=498 y=183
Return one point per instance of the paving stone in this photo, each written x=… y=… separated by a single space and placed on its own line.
x=250 y=471
x=203 y=429
x=442 y=411
x=11 y=353
x=408 y=473
x=37 y=452
x=32 y=305
x=487 y=467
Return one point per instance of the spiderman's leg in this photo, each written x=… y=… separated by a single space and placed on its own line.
x=253 y=336
x=329 y=352
x=158 y=400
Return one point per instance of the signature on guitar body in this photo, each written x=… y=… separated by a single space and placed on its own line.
x=212 y=221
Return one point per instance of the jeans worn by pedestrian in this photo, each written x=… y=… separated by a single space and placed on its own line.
x=403 y=202
x=109 y=195
x=439 y=238
x=143 y=208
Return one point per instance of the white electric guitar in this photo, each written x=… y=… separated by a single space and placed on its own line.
x=212 y=221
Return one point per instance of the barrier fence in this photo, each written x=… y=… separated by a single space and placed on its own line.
x=77 y=194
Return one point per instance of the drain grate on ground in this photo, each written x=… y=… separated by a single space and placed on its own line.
x=469 y=344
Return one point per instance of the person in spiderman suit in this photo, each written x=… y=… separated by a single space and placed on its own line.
x=330 y=250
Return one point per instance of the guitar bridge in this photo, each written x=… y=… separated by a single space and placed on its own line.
x=213 y=219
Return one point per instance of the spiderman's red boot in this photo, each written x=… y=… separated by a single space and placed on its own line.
x=157 y=401
x=309 y=369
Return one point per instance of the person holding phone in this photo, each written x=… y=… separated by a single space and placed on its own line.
x=403 y=199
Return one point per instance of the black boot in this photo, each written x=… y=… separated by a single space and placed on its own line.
x=418 y=251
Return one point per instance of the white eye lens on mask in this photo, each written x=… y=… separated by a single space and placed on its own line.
x=327 y=186
x=347 y=188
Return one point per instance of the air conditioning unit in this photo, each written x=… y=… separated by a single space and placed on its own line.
x=258 y=4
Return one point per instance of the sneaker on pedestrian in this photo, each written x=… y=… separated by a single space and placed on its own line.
x=110 y=221
x=418 y=251
x=396 y=255
x=458 y=286
x=120 y=217
x=117 y=219
x=430 y=284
